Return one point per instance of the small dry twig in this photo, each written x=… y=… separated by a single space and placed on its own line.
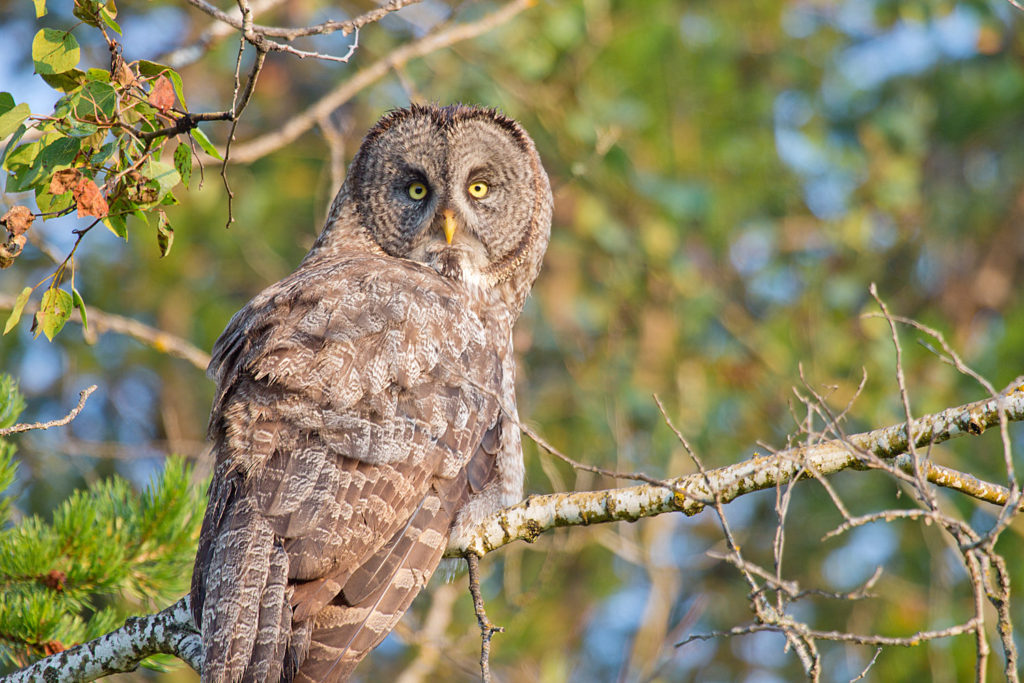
x=83 y=396
x=487 y=629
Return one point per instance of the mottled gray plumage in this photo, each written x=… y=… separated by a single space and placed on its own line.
x=365 y=410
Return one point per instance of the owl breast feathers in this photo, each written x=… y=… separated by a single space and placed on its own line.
x=365 y=412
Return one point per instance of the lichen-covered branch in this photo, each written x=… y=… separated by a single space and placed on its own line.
x=170 y=631
x=690 y=494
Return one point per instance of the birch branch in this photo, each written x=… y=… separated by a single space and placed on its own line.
x=169 y=631
x=690 y=494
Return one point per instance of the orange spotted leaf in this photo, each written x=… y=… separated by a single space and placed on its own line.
x=161 y=95
x=89 y=199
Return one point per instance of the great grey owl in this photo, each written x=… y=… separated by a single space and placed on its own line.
x=365 y=413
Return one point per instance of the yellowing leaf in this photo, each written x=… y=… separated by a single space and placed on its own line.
x=19 y=306
x=54 y=51
x=164 y=235
x=54 y=311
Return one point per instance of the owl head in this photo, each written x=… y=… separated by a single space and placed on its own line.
x=459 y=189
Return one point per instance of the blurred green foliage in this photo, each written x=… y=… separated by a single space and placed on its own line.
x=729 y=179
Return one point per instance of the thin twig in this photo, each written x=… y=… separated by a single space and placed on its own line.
x=487 y=629
x=291 y=129
x=345 y=27
x=841 y=636
x=83 y=396
x=189 y=54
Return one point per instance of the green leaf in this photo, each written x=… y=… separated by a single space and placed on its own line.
x=24 y=155
x=96 y=100
x=12 y=143
x=11 y=115
x=50 y=203
x=40 y=8
x=205 y=143
x=164 y=235
x=183 y=162
x=78 y=129
x=76 y=298
x=87 y=11
x=54 y=311
x=101 y=157
x=108 y=14
x=19 y=306
x=25 y=176
x=54 y=51
x=65 y=82
x=60 y=152
x=117 y=225
x=151 y=69
x=101 y=75
x=163 y=174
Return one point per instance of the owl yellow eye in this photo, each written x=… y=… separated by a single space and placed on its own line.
x=417 y=191
x=478 y=189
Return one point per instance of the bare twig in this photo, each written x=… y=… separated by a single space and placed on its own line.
x=217 y=30
x=841 y=636
x=83 y=396
x=487 y=629
x=345 y=27
x=290 y=130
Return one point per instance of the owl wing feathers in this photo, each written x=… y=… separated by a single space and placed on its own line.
x=357 y=404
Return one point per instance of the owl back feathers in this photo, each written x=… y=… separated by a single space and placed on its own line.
x=358 y=405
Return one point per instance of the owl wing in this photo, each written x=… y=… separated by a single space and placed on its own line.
x=357 y=408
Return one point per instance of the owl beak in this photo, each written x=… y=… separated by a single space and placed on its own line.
x=449 y=225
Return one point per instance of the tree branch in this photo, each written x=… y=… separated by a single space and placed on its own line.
x=83 y=396
x=170 y=631
x=537 y=514
x=346 y=27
